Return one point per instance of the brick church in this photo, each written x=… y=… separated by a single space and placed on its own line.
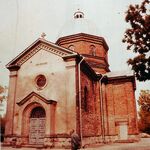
x=56 y=87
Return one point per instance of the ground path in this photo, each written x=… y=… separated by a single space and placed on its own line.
x=144 y=144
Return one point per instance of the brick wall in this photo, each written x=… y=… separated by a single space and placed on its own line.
x=120 y=101
x=90 y=112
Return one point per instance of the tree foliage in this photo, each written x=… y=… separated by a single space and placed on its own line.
x=2 y=128
x=138 y=39
x=144 y=113
x=1 y=92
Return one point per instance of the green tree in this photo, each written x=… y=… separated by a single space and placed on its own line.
x=137 y=39
x=144 y=113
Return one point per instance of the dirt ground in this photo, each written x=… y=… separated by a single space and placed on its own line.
x=144 y=144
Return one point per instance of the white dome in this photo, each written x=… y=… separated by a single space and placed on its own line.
x=79 y=25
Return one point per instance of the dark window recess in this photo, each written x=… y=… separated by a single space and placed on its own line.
x=41 y=80
x=85 y=98
x=72 y=47
x=38 y=112
x=93 y=50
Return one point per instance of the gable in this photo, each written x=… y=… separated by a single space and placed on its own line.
x=33 y=94
x=40 y=44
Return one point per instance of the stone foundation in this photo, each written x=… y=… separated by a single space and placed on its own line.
x=64 y=142
x=18 y=141
x=134 y=137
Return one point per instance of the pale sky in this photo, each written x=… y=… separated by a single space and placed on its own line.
x=23 y=21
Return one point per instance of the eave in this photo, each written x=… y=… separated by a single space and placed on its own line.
x=39 y=41
x=82 y=37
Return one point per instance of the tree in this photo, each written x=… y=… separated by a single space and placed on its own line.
x=144 y=113
x=2 y=128
x=137 y=38
x=1 y=92
x=3 y=98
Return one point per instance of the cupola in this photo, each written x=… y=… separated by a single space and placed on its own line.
x=82 y=36
x=78 y=15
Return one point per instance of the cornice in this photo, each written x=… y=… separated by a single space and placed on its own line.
x=24 y=100
x=99 y=65
x=38 y=48
x=28 y=53
x=14 y=67
x=119 y=79
x=34 y=48
x=96 y=58
x=82 y=37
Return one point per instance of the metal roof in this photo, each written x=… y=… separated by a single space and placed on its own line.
x=126 y=73
x=79 y=25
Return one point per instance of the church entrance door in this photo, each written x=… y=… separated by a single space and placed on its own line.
x=37 y=126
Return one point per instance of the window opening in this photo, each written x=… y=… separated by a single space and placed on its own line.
x=40 y=81
x=71 y=47
x=85 y=98
x=38 y=112
x=93 y=50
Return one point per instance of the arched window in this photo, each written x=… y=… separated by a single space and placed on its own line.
x=92 y=50
x=78 y=14
x=38 y=112
x=72 y=47
x=85 y=98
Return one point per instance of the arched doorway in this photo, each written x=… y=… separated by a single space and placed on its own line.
x=37 y=126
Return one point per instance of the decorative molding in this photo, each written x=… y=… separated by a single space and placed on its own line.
x=70 y=64
x=34 y=48
x=13 y=67
x=120 y=79
x=24 y=100
x=99 y=65
x=82 y=37
x=38 y=48
x=13 y=73
x=29 y=55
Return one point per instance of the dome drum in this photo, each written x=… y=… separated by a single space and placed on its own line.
x=82 y=36
x=67 y=40
x=93 y=48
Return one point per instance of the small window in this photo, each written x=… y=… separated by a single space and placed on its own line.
x=92 y=50
x=71 y=47
x=40 y=81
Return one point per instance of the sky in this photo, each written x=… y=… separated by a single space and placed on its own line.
x=23 y=21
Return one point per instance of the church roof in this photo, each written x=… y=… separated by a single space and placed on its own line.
x=121 y=75
x=126 y=73
x=58 y=50
x=79 y=24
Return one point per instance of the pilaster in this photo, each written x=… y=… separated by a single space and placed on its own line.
x=11 y=103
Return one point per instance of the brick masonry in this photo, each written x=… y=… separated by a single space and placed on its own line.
x=108 y=106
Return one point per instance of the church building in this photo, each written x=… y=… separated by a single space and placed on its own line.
x=56 y=87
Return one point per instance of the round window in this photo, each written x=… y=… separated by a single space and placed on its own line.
x=40 y=81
